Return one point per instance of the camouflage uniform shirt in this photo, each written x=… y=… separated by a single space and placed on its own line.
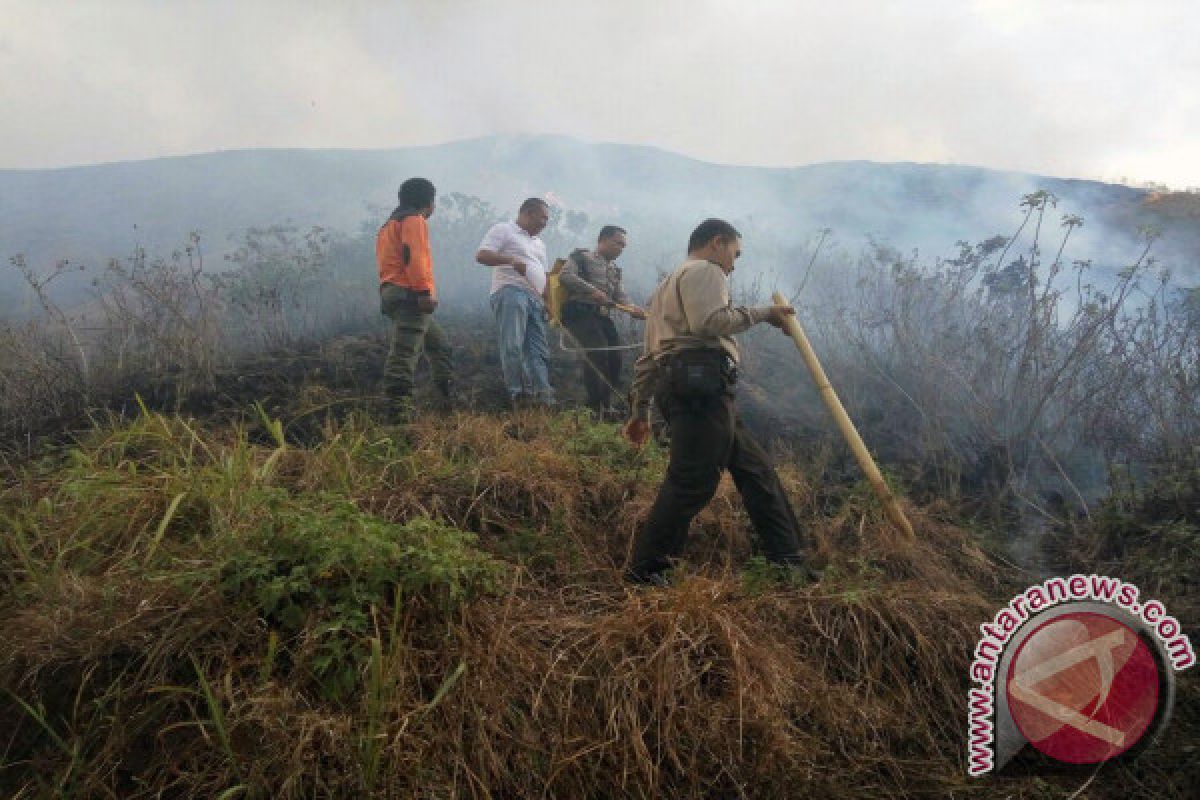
x=586 y=271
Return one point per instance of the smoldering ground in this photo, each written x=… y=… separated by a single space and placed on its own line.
x=1010 y=368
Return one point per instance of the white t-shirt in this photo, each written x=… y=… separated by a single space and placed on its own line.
x=510 y=239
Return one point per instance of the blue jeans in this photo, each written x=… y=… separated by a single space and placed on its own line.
x=523 y=349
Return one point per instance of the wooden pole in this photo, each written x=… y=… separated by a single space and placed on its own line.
x=792 y=327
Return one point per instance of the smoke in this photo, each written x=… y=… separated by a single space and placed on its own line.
x=1019 y=86
x=91 y=214
x=952 y=370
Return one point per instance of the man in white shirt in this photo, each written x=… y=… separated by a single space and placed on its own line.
x=518 y=260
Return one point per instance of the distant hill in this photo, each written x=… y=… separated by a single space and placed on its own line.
x=89 y=213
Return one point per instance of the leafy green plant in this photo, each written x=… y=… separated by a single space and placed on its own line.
x=599 y=446
x=317 y=565
x=759 y=576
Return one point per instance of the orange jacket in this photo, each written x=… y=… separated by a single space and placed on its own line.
x=403 y=254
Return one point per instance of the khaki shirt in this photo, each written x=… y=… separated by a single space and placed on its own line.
x=585 y=271
x=690 y=309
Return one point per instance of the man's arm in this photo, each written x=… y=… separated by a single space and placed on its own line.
x=705 y=296
x=490 y=258
x=421 y=266
x=621 y=296
x=637 y=429
x=489 y=253
x=574 y=283
x=642 y=387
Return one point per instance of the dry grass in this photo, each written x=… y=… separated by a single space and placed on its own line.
x=143 y=657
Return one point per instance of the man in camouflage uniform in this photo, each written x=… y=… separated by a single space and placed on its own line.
x=592 y=281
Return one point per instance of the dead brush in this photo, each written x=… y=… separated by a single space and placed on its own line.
x=152 y=653
x=477 y=473
x=128 y=640
x=649 y=694
x=657 y=694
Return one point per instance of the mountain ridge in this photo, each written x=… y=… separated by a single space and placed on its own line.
x=89 y=213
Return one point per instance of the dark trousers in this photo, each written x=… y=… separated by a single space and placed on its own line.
x=601 y=368
x=706 y=437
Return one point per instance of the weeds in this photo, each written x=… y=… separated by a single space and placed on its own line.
x=296 y=601
x=313 y=568
x=357 y=621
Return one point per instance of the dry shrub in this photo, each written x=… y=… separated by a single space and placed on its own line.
x=140 y=674
x=526 y=486
x=598 y=693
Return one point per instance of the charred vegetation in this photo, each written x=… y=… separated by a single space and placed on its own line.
x=223 y=574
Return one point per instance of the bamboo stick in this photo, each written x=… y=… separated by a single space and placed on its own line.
x=792 y=327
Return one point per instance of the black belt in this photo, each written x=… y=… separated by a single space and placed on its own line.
x=720 y=357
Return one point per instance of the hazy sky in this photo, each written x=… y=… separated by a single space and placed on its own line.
x=1078 y=88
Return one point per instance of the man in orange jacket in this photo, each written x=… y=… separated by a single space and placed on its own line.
x=408 y=297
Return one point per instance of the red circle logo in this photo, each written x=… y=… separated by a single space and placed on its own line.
x=1083 y=688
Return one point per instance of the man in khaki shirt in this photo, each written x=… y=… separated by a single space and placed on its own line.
x=689 y=366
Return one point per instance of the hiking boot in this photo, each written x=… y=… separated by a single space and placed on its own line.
x=646 y=580
x=801 y=574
